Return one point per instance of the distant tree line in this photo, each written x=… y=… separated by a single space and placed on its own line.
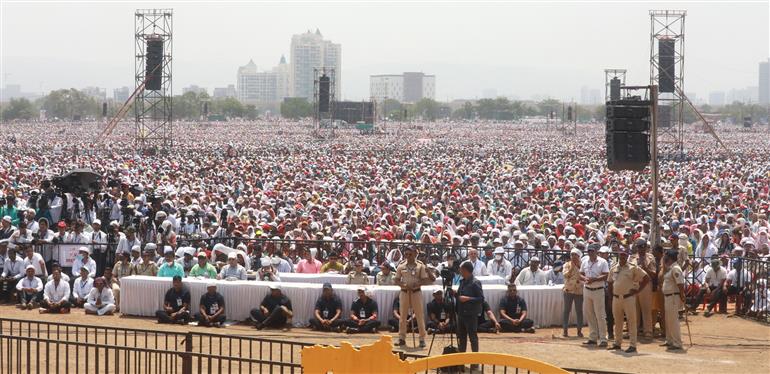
x=67 y=103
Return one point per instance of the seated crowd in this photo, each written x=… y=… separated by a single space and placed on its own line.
x=290 y=203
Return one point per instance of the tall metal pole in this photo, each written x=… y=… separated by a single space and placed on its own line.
x=654 y=224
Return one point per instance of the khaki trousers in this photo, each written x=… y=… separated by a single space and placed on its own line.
x=625 y=306
x=593 y=306
x=413 y=301
x=644 y=301
x=673 y=334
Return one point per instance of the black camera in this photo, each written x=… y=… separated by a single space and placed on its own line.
x=447 y=276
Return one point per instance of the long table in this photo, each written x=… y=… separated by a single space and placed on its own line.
x=335 y=278
x=142 y=296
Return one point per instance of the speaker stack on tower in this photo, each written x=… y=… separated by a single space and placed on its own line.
x=628 y=134
x=323 y=93
x=154 y=71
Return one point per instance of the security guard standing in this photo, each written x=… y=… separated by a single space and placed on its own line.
x=673 y=292
x=646 y=261
x=625 y=281
x=410 y=276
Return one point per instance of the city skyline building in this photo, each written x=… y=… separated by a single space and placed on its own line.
x=310 y=51
x=408 y=87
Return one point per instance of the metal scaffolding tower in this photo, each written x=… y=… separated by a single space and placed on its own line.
x=609 y=75
x=153 y=100
x=667 y=41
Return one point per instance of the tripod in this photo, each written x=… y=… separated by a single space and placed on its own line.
x=449 y=299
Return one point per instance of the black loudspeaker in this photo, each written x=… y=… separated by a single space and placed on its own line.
x=628 y=150
x=627 y=134
x=323 y=94
x=76 y=117
x=628 y=124
x=666 y=64
x=205 y=109
x=154 y=73
x=569 y=113
x=104 y=109
x=404 y=113
x=614 y=89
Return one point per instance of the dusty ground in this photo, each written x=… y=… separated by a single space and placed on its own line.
x=722 y=344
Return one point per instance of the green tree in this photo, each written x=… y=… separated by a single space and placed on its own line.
x=426 y=108
x=466 y=111
x=67 y=103
x=190 y=105
x=391 y=109
x=229 y=107
x=18 y=109
x=547 y=106
x=250 y=111
x=296 y=107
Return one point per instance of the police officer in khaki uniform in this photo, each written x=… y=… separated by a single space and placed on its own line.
x=646 y=261
x=410 y=276
x=673 y=292
x=625 y=281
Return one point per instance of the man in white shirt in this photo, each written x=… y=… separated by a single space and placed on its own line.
x=56 y=295
x=22 y=235
x=83 y=260
x=100 y=300
x=136 y=255
x=81 y=287
x=99 y=249
x=76 y=236
x=555 y=276
x=30 y=289
x=36 y=260
x=594 y=271
x=499 y=265
x=55 y=266
x=712 y=285
x=13 y=270
x=478 y=266
x=533 y=275
x=736 y=284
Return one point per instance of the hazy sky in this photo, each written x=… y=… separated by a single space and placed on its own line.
x=516 y=48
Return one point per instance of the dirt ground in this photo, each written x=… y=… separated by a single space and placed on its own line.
x=721 y=343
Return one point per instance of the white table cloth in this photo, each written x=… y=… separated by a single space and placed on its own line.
x=335 y=278
x=142 y=296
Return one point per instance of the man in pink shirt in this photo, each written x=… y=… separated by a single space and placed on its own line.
x=309 y=264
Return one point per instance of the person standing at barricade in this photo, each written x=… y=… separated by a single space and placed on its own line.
x=411 y=275
x=645 y=261
x=470 y=297
x=594 y=271
x=604 y=252
x=673 y=291
x=625 y=282
x=99 y=247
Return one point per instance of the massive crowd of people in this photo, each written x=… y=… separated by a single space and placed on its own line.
x=499 y=193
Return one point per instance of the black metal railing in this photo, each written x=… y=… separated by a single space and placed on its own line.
x=753 y=297
x=103 y=347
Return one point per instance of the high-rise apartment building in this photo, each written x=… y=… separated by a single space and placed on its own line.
x=263 y=87
x=310 y=51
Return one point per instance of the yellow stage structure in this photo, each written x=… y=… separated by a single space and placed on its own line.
x=379 y=358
